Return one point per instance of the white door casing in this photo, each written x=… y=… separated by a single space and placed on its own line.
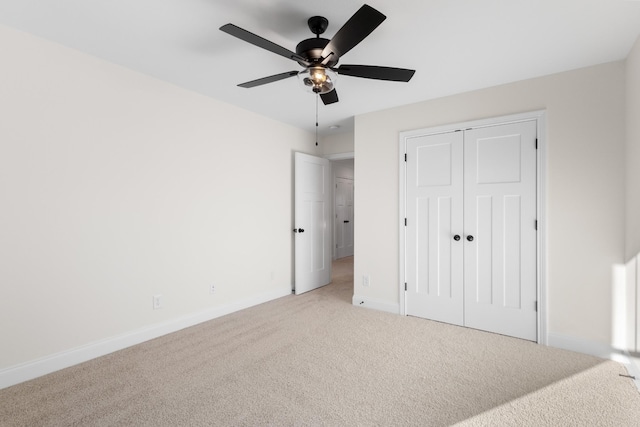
x=313 y=194
x=344 y=217
x=498 y=289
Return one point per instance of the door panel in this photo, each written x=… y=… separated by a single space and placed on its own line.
x=434 y=216
x=312 y=201
x=500 y=213
x=344 y=217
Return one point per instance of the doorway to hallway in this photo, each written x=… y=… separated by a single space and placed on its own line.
x=343 y=207
x=342 y=279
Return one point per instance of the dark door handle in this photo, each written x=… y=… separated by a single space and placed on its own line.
x=470 y=238
x=298 y=230
x=456 y=237
x=346 y=222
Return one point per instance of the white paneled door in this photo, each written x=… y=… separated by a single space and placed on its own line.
x=434 y=216
x=500 y=216
x=344 y=217
x=313 y=194
x=471 y=256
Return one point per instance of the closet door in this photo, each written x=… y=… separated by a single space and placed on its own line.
x=434 y=271
x=500 y=229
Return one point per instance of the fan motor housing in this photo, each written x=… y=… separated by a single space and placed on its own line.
x=312 y=50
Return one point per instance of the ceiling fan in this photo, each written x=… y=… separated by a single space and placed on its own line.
x=320 y=56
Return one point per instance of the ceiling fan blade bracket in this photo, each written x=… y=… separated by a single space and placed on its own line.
x=330 y=58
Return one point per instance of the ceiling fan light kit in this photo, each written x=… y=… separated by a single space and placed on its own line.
x=319 y=56
x=318 y=80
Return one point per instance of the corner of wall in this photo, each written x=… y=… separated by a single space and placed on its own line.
x=632 y=152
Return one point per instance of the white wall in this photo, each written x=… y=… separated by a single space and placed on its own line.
x=585 y=195
x=337 y=143
x=342 y=169
x=633 y=151
x=116 y=187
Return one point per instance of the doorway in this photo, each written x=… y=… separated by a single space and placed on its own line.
x=342 y=279
x=343 y=224
x=342 y=167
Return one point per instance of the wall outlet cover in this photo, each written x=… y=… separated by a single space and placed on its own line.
x=157 y=301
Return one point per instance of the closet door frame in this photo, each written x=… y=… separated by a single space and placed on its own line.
x=540 y=118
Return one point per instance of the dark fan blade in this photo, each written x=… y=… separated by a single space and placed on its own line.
x=359 y=26
x=329 y=97
x=270 y=79
x=262 y=42
x=375 y=72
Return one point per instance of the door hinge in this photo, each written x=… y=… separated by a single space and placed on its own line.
x=405 y=157
x=536 y=306
x=405 y=222
x=536 y=143
x=405 y=286
x=536 y=224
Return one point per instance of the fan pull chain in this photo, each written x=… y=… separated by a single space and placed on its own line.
x=317 y=96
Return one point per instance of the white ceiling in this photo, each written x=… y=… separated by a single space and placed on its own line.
x=455 y=45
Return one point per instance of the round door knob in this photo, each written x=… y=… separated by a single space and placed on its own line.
x=456 y=237
x=300 y=230
x=470 y=238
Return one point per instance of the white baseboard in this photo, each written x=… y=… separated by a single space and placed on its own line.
x=598 y=349
x=36 y=368
x=580 y=345
x=376 y=304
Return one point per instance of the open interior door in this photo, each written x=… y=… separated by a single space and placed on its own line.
x=344 y=217
x=312 y=222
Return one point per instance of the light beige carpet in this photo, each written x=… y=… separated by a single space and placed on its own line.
x=315 y=359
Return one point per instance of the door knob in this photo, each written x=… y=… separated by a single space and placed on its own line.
x=345 y=222
x=298 y=230
x=470 y=238
x=456 y=237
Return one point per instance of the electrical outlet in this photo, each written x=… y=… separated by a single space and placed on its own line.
x=212 y=289
x=157 y=302
x=365 y=281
